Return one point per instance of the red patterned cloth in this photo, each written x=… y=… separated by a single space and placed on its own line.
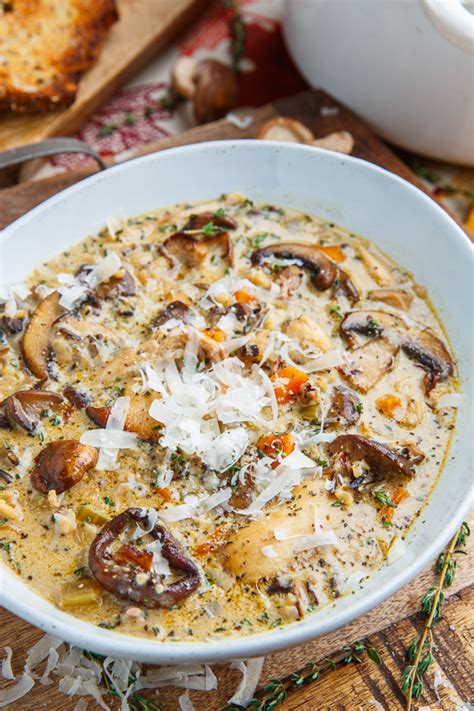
x=133 y=117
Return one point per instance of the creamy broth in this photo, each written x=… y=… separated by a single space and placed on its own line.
x=270 y=395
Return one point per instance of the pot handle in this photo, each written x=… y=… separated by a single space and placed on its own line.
x=49 y=147
x=453 y=21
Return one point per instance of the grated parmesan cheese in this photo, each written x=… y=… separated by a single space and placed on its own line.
x=112 y=438
x=251 y=671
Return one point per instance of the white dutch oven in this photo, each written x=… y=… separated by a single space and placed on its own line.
x=405 y=66
x=357 y=195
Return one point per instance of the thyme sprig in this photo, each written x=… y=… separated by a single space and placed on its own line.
x=238 y=33
x=420 y=652
x=276 y=691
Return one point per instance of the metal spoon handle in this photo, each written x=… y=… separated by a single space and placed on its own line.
x=49 y=147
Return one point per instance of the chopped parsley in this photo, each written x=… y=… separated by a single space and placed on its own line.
x=211 y=230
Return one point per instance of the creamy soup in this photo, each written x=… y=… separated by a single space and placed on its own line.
x=216 y=419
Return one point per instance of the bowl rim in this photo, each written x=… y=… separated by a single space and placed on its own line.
x=90 y=636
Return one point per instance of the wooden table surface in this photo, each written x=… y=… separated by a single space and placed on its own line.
x=392 y=625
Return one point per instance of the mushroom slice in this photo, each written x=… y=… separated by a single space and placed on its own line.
x=120 y=284
x=323 y=272
x=201 y=219
x=369 y=323
x=143 y=586
x=186 y=249
x=13 y=325
x=216 y=90
x=345 y=406
x=25 y=407
x=138 y=420
x=212 y=229
x=339 y=141
x=61 y=465
x=36 y=342
x=420 y=345
x=183 y=75
x=79 y=397
x=431 y=354
x=175 y=310
x=380 y=458
x=285 y=129
x=367 y=364
x=289 y=279
x=396 y=298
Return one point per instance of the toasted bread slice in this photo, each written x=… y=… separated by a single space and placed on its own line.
x=45 y=46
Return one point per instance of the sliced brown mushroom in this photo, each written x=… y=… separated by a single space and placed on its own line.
x=367 y=364
x=431 y=354
x=121 y=284
x=370 y=323
x=36 y=342
x=285 y=129
x=380 y=458
x=339 y=141
x=143 y=586
x=345 y=406
x=13 y=326
x=397 y=298
x=79 y=397
x=185 y=248
x=201 y=219
x=289 y=279
x=183 y=75
x=420 y=345
x=216 y=90
x=174 y=310
x=191 y=245
x=24 y=408
x=61 y=465
x=138 y=420
x=323 y=272
x=217 y=224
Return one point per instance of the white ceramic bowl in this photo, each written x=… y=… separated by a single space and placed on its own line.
x=405 y=66
x=357 y=195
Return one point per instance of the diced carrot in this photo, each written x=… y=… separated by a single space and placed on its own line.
x=216 y=334
x=289 y=381
x=276 y=446
x=387 y=404
x=399 y=495
x=130 y=555
x=165 y=494
x=213 y=543
x=243 y=297
x=333 y=252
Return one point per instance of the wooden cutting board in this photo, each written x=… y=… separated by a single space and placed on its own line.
x=391 y=625
x=144 y=27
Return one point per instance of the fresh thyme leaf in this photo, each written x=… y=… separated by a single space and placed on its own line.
x=374 y=655
x=381 y=496
x=420 y=652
